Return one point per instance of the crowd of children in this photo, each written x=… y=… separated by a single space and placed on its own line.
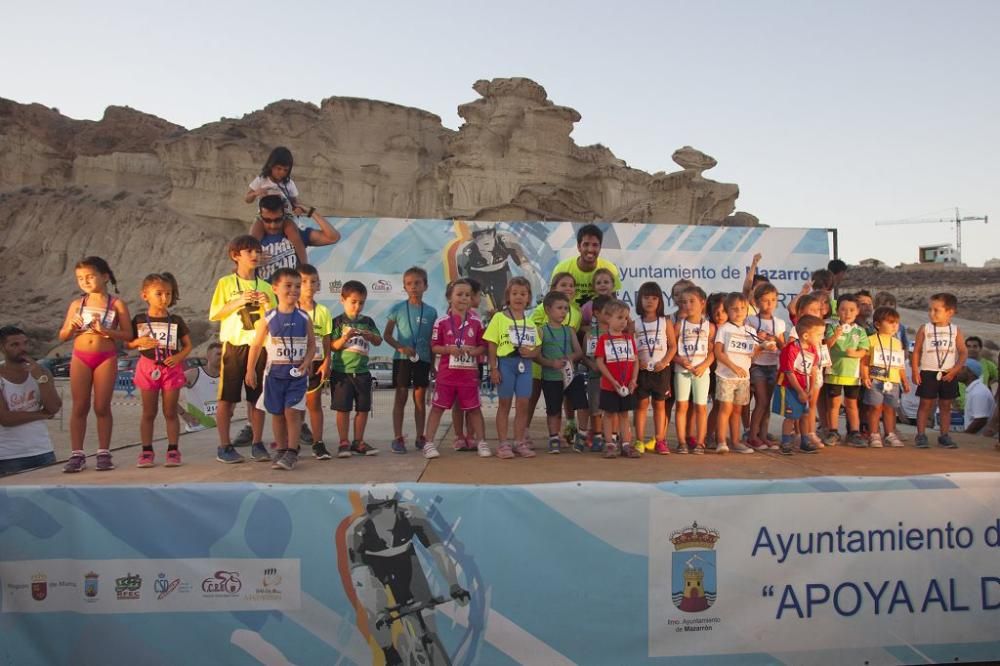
x=602 y=365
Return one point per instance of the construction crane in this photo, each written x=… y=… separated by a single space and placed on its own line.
x=957 y=221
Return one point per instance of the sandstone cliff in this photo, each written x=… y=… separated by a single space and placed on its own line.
x=149 y=195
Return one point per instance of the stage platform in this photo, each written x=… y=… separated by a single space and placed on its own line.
x=976 y=454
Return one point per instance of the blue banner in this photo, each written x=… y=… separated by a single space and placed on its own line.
x=826 y=570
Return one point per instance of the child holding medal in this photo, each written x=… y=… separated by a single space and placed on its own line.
x=163 y=342
x=288 y=334
x=560 y=352
x=96 y=322
x=692 y=370
x=657 y=344
x=883 y=373
x=457 y=339
x=939 y=353
x=513 y=344
x=618 y=364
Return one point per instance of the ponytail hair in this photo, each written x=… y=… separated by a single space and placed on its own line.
x=98 y=264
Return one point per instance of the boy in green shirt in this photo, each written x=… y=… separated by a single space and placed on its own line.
x=848 y=344
x=351 y=383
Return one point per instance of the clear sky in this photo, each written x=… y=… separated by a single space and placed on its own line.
x=831 y=114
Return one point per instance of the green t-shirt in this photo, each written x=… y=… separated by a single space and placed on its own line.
x=556 y=343
x=238 y=327
x=846 y=370
x=353 y=357
x=504 y=331
x=322 y=326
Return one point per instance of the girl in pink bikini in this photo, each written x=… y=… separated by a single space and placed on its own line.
x=96 y=322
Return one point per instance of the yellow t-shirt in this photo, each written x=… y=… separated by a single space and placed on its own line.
x=886 y=358
x=504 y=331
x=585 y=280
x=238 y=327
x=322 y=326
x=573 y=319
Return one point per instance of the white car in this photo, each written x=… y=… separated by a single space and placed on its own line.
x=381 y=374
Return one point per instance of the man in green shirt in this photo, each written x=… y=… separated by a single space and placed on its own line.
x=990 y=375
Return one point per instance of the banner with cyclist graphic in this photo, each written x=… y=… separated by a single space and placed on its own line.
x=883 y=571
x=376 y=252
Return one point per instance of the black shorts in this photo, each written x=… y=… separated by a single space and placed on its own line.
x=407 y=373
x=350 y=392
x=315 y=378
x=234 y=371
x=932 y=388
x=655 y=385
x=613 y=403
x=554 y=393
x=850 y=392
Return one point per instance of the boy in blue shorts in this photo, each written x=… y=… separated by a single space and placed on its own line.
x=351 y=382
x=799 y=372
x=288 y=334
x=408 y=330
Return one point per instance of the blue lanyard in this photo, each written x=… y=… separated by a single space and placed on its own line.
x=697 y=332
x=415 y=333
x=645 y=334
x=460 y=333
x=166 y=345
x=565 y=342
x=518 y=334
x=614 y=349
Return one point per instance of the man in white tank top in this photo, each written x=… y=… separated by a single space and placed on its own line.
x=202 y=391
x=28 y=398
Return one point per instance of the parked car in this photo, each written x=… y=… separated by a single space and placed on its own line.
x=381 y=374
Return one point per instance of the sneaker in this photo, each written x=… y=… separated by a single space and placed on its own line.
x=857 y=441
x=722 y=447
x=305 y=435
x=740 y=447
x=76 y=463
x=947 y=442
x=420 y=443
x=921 y=441
x=173 y=458
x=146 y=458
x=554 y=444
x=597 y=444
x=366 y=449
x=661 y=447
x=580 y=443
x=229 y=455
x=462 y=444
x=505 y=451
x=807 y=447
x=893 y=440
x=757 y=444
x=104 y=463
x=698 y=449
x=259 y=453
x=430 y=450
x=344 y=449
x=682 y=448
x=772 y=446
x=611 y=450
x=245 y=436
x=530 y=444
x=786 y=449
x=286 y=460
x=831 y=438
x=399 y=445
x=524 y=450
x=320 y=452
x=484 y=449
x=631 y=451
x=875 y=440
x=815 y=440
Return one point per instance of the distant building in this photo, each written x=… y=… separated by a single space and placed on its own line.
x=938 y=254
